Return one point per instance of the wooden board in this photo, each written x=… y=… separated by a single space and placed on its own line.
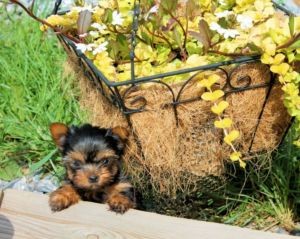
x=25 y=215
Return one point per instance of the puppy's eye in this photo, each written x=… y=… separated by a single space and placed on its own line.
x=105 y=161
x=76 y=164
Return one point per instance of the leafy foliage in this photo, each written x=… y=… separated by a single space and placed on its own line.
x=177 y=30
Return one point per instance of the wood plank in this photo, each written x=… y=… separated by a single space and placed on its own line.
x=25 y=215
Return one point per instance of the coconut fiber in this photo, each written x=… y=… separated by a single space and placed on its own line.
x=172 y=157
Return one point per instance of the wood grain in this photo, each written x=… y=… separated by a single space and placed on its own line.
x=25 y=215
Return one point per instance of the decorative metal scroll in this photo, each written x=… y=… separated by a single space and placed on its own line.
x=120 y=93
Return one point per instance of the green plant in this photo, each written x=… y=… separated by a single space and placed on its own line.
x=282 y=188
x=269 y=195
x=33 y=93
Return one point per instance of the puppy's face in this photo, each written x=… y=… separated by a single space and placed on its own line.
x=91 y=155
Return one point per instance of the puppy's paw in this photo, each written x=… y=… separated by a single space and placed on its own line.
x=120 y=204
x=62 y=198
x=58 y=202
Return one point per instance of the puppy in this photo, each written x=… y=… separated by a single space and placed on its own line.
x=92 y=158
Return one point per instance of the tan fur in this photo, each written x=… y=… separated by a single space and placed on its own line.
x=81 y=179
x=75 y=155
x=116 y=200
x=121 y=132
x=58 y=131
x=297 y=2
x=105 y=154
x=63 y=197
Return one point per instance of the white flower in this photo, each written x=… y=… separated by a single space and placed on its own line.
x=83 y=35
x=98 y=26
x=223 y=14
x=84 y=47
x=222 y=31
x=215 y=26
x=153 y=9
x=245 y=21
x=80 y=9
x=222 y=2
x=100 y=48
x=230 y=33
x=94 y=34
x=104 y=4
x=117 y=18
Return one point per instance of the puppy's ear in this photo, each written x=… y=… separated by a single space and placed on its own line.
x=121 y=132
x=59 y=132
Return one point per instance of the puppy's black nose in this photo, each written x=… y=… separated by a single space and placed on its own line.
x=93 y=178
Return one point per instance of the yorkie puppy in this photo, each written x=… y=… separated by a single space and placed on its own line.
x=92 y=157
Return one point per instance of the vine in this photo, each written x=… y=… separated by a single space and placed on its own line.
x=222 y=123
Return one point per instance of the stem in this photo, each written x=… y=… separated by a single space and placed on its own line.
x=56 y=29
x=181 y=26
x=117 y=5
x=230 y=54
x=141 y=39
x=186 y=26
x=32 y=5
x=115 y=30
x=122 y=62
x=290 y=42
x=224 y=130
x=159 y=36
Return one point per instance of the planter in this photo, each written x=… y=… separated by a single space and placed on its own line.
x=174 y=142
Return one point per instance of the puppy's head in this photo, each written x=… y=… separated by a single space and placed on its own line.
x=91 y=155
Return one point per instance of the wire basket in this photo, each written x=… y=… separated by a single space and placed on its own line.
x=241 y=77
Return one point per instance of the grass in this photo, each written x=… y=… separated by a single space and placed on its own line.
x=33 y=93
x=271 y=196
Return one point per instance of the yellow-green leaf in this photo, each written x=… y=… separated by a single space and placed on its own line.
x=267 y=59
x=214 y=78
x=210 y=81
x=224 y=123
x=290 y=76
x=280 y=69
x=269 y=46
x=242 y=163
x=235 y=156
x=291 y=89
x=219 y=108
x=278 y=59
x=232 y=136
x=212 y=96
x=297 y=143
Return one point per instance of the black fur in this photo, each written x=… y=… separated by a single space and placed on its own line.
x=91 y=139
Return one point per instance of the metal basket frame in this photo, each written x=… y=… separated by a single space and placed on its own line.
x=111 y=89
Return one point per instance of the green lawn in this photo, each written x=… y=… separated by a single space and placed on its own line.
x=33 y=93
